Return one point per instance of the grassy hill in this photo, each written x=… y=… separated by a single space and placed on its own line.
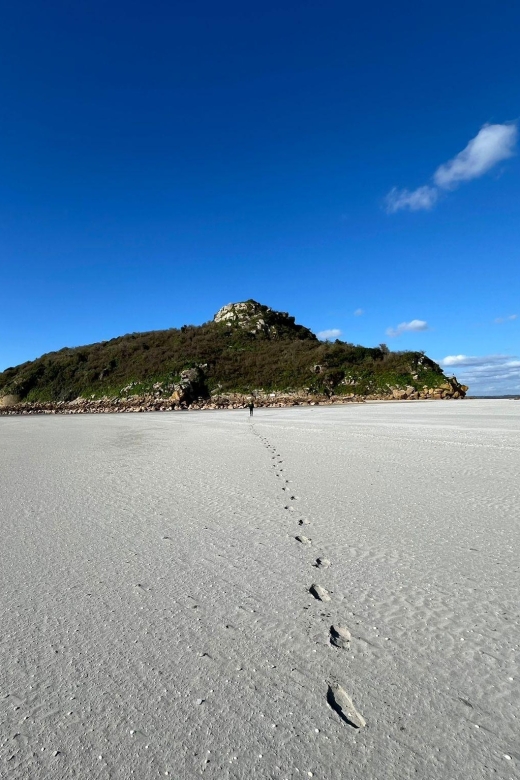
x=246 y=347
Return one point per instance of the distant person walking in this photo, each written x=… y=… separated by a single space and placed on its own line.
x=251 y=406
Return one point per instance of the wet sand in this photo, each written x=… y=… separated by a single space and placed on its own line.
x=157 y=618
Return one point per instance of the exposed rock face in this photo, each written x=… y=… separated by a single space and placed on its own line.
x=451 y=388
x=258 y=319
x=245 y=315
x=192 y=386
x=9 y=400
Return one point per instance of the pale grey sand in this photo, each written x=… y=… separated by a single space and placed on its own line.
x=156 y=613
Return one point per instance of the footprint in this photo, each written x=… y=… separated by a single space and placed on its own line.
x=341 y=703
x=319 y=592
x=340 y=637
x=304 y=521
x=322 y=563
x=303 y=539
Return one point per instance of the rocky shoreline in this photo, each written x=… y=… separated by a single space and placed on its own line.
x=450 y=389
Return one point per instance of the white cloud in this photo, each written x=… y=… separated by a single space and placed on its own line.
x=359 y=312
x=486 y=374
x=404 y=327
x=491 y=145
x=328 y=335
x=468 y=360
x=506 y=319
x=415 y=200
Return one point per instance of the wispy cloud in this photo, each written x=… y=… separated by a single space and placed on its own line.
x=486 y=374
x=328 y=335
x=491 y=145
x=509 y=318
x=415 y=200
x=469 y=360
x=359 y=312
x=404 y=327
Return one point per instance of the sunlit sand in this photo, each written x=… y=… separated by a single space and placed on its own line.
x=157 y=614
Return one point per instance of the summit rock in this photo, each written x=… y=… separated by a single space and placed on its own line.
x=256 y=318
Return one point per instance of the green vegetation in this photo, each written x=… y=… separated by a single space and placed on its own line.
x=279 y=355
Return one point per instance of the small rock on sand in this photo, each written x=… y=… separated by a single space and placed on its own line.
x=341 y=702
x=319 y=592
x=340 y=637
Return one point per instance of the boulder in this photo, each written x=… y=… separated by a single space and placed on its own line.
x=398 y=394
x=9 y=400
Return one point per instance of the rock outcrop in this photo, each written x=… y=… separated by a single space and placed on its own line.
x=9 y=400
x=257 y=319
x=192 y=385
x=451 y=388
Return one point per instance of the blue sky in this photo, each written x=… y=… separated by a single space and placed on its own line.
x=353 y=164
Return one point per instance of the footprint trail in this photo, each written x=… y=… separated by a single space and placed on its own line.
x=339 y=635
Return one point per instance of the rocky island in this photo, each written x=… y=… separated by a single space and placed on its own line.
x=247 y=350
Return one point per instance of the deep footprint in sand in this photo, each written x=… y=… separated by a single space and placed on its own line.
x=322 y=563
x=340 y=637
x=303 y=539
x=339 y=700
x=319 y=592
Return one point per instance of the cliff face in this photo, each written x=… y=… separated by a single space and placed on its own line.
x=247 y=348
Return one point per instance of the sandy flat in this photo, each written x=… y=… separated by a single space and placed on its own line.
x=155 y=606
